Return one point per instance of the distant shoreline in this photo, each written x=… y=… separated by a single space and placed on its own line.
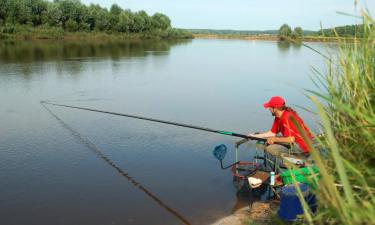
x=269 y=37
x=234 y=36
x=56 y=34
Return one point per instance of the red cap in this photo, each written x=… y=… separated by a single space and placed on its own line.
x=275 y=101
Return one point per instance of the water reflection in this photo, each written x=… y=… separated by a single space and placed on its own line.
x=69 y=55
x=297 y=45
x=118 y=169
x=35 y=51
x=286 y=45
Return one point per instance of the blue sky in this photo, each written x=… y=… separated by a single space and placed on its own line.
x=247 y=14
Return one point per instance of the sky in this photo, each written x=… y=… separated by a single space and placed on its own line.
x=248 y=14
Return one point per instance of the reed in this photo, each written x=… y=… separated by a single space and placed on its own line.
x=346 y=106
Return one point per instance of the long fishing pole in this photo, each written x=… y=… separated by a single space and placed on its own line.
x=162 y=121
x=97 y=151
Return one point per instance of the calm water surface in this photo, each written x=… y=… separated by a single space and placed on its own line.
x=49 y=176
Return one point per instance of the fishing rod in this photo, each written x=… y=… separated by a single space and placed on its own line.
x=167 y=122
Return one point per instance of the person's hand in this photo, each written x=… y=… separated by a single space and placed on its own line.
x=253 y=134
x=271 y=140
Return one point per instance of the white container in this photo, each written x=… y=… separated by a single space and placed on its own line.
x=272 y=178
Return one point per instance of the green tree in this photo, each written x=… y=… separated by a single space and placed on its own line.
x=92 y=14
x=139 y=23
x=143 y=21
x=3 y=10
x=298 y=32
x=71 y=25
x=285 y=31
x=160 y=21
x=19 y=12
x=98 y=18
x=126 y=21
x=53 y=15
x=85 y=15
x=114 y=15
x=102 y=20
x=343 y=31
x=71 y=9
x=115 y=10
x=73 y=16
x=38 y=9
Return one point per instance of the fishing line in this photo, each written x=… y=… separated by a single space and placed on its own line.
x=98 y=152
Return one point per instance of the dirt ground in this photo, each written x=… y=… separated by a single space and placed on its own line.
x=260 y=213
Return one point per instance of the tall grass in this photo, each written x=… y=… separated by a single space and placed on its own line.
x=346 y=105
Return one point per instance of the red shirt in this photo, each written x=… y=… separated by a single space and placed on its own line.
x=286 y=127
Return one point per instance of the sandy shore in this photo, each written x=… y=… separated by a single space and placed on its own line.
x=269 y=37
x=241 y=37
x=260 y=213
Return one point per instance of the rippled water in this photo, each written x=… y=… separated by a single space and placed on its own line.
x=144 y=172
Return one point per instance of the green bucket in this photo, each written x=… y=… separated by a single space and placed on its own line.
x=303 y=175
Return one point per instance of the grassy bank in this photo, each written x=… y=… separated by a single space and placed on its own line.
x=24 y=32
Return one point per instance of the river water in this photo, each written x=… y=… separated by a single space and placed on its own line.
x=135 y=172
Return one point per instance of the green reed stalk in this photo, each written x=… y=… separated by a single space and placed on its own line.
x=346 y=105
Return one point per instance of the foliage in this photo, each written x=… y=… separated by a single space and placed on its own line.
x=115 y=10
x=347 y=110
x=343 y=31
x=3 y=11
x=73 y=16
x=161 y=21
x=71 y=25
x=173 y=32
x=298 y=32
x=126 y=21
x=40 y=32
x=285 y=31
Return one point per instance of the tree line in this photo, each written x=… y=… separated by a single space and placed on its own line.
x=343 y=31
x=285 y=32
x=72 y=16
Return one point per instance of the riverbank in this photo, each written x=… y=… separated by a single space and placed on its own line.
x=270 y=37
x=261 y=213
x=234 y=36
x=20 y=32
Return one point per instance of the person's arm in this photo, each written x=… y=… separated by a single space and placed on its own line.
x=271 y=137
x=263 y=135
x=271 y=133
x=274 y=139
